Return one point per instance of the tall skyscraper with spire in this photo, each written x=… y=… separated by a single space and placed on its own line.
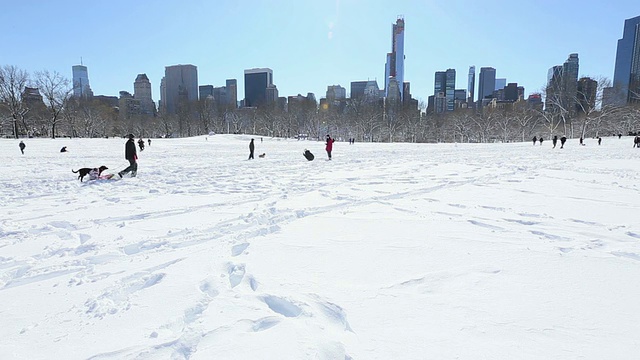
x=394 y=68
x=81 y=86
x=471 y=84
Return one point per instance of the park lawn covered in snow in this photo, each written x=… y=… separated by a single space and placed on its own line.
x=389 y=251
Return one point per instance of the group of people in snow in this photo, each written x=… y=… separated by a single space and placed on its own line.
x=307 y=154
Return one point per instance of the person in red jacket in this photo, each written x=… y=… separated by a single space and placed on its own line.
x=329 y=147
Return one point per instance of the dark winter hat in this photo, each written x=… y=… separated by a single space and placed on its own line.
x=130 y=136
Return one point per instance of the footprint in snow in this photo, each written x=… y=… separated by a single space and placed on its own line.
x=236 y=274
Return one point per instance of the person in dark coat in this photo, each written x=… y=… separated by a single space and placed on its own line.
x=141 y=144
x=541 y=140
x=131 y=155
x=329 y=146
x=636 y=141
x=581 y=140
x=562 y=141
x=535 y=140
x=149 y=141
x=308 y=155
x=22 y=146
x=64 y=149
x=599 y=140
x=251 y=148
x=554 y=140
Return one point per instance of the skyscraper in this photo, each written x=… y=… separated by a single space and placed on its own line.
x=471 y=83
x=445 y=84
x=394 y=68
x=256 y=82
x=486 y=83
x=336 y=92
x=271 y=95
x=626 y=77
x=570 y=70
x=440 y=83
x=554 y=87
x=180 y=85
x=357 y=89
x=587 y=90
x=512 y=92
x=204 y=91
x=232 y=92
x=142 y=92
x=500 y=83
x=81 y=86
x=450 y=89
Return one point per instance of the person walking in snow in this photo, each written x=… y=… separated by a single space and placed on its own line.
x=563 y=140
x=599 y=140
x=554 y=140
x=131 y=155
x=329 y=146
x=22 y=146
x=251 y=148
x=541 y=140
x=141 y=144
x=535 y=140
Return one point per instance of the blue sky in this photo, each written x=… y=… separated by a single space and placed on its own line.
x=309 y=44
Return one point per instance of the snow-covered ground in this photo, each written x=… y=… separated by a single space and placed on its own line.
x=390 y=251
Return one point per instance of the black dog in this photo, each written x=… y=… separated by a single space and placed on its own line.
x=82 y=172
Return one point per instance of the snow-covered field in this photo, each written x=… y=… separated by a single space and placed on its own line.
x=390 y=251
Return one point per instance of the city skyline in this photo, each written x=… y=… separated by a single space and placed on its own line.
x=315 y=45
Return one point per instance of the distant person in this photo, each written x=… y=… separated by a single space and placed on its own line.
x=554 y=140
x=64 y=149
x=619 y=136
x=636 y=141
x=581 y=140
x=22 y=146
x=149 y=141
x=251 y=148
x=541 y=140
x=260 y=140
x=535 y=140
x=563 y=140
x=141 y=144
x=329 y=146
x=599 y=140
x=131 y=155
x=308 y=155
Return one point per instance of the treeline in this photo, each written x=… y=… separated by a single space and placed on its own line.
x=52 y=111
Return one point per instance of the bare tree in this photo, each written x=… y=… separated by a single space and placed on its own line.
x=56 y=91
x=526 y=119
x=12 y=84
x=485 y=124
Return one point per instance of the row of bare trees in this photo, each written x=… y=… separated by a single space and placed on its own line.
x=57 y=113
x=22 y=113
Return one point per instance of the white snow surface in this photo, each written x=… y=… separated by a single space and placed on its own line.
x=389 y=251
